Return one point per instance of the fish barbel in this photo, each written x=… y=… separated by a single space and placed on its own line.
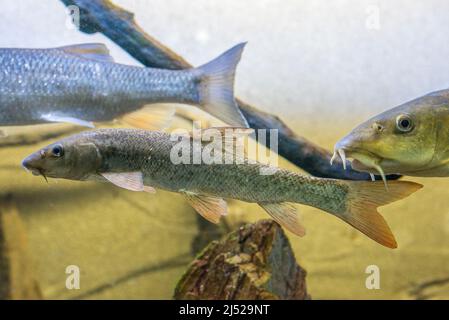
x=411 y=139
x=141 y=160
x=81 y=84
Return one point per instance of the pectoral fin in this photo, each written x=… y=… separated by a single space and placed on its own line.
x=93 y=51
x=151 y=117
x=71 y=120
x=211 y=208
x=286 y=215
x=128 y=180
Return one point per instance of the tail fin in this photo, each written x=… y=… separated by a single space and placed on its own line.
x=217 y=87
x=363 y=200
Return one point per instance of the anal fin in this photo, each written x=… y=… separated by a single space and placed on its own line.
x=211 y=208
x=286 y=215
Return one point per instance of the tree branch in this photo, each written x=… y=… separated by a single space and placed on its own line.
x=118 y=25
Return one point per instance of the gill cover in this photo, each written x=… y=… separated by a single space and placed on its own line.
x=86 y=160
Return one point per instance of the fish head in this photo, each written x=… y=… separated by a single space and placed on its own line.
x=401 y=140
x=72 y=158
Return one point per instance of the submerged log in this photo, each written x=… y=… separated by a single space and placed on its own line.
x=16 y=274
x=255 y=262
x=119 y=25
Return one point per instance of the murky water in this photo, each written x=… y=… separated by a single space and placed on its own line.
x=133 y=245
x=314 y=64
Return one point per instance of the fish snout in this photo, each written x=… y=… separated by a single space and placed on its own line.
x=349 y=143
x=33 y=163
x=342 y=144
x=344 y=148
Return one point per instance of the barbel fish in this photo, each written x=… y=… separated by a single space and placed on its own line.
x=411 y=139
x=141 y=160
x=80 y=84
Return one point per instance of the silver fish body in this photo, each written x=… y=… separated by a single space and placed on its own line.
x=82 y=83
x=142 y=160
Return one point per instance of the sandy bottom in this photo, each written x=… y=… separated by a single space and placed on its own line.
x=132 y=245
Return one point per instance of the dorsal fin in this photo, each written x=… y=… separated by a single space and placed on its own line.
x=228 y=134
x=232 y=146
x=93 y=51
x=219 y=144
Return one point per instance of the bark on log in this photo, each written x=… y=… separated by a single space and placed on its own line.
x=118 y=25
x=255 y=262
x=16 y=274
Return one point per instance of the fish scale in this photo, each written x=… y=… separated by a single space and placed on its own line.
x=238 y=181
x=82 y=83
x=141 y=160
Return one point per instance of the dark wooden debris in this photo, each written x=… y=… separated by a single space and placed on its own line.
x=256 y=262
x=16 y=273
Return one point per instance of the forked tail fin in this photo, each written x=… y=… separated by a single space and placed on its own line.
x=216 y=91
x=363 y=200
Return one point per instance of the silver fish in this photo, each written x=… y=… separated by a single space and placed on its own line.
x=141 y=160
x=80 y=84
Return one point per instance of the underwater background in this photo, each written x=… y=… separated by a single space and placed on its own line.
x=321 y=67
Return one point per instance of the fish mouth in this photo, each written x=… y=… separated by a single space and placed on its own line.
x=37 y=172
x=30 y=164
x=362 y=160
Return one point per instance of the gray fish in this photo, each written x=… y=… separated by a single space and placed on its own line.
x=141 y=160
x=80 y=84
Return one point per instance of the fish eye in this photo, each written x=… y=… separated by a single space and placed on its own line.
x=57 y=150
x=404 y=123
